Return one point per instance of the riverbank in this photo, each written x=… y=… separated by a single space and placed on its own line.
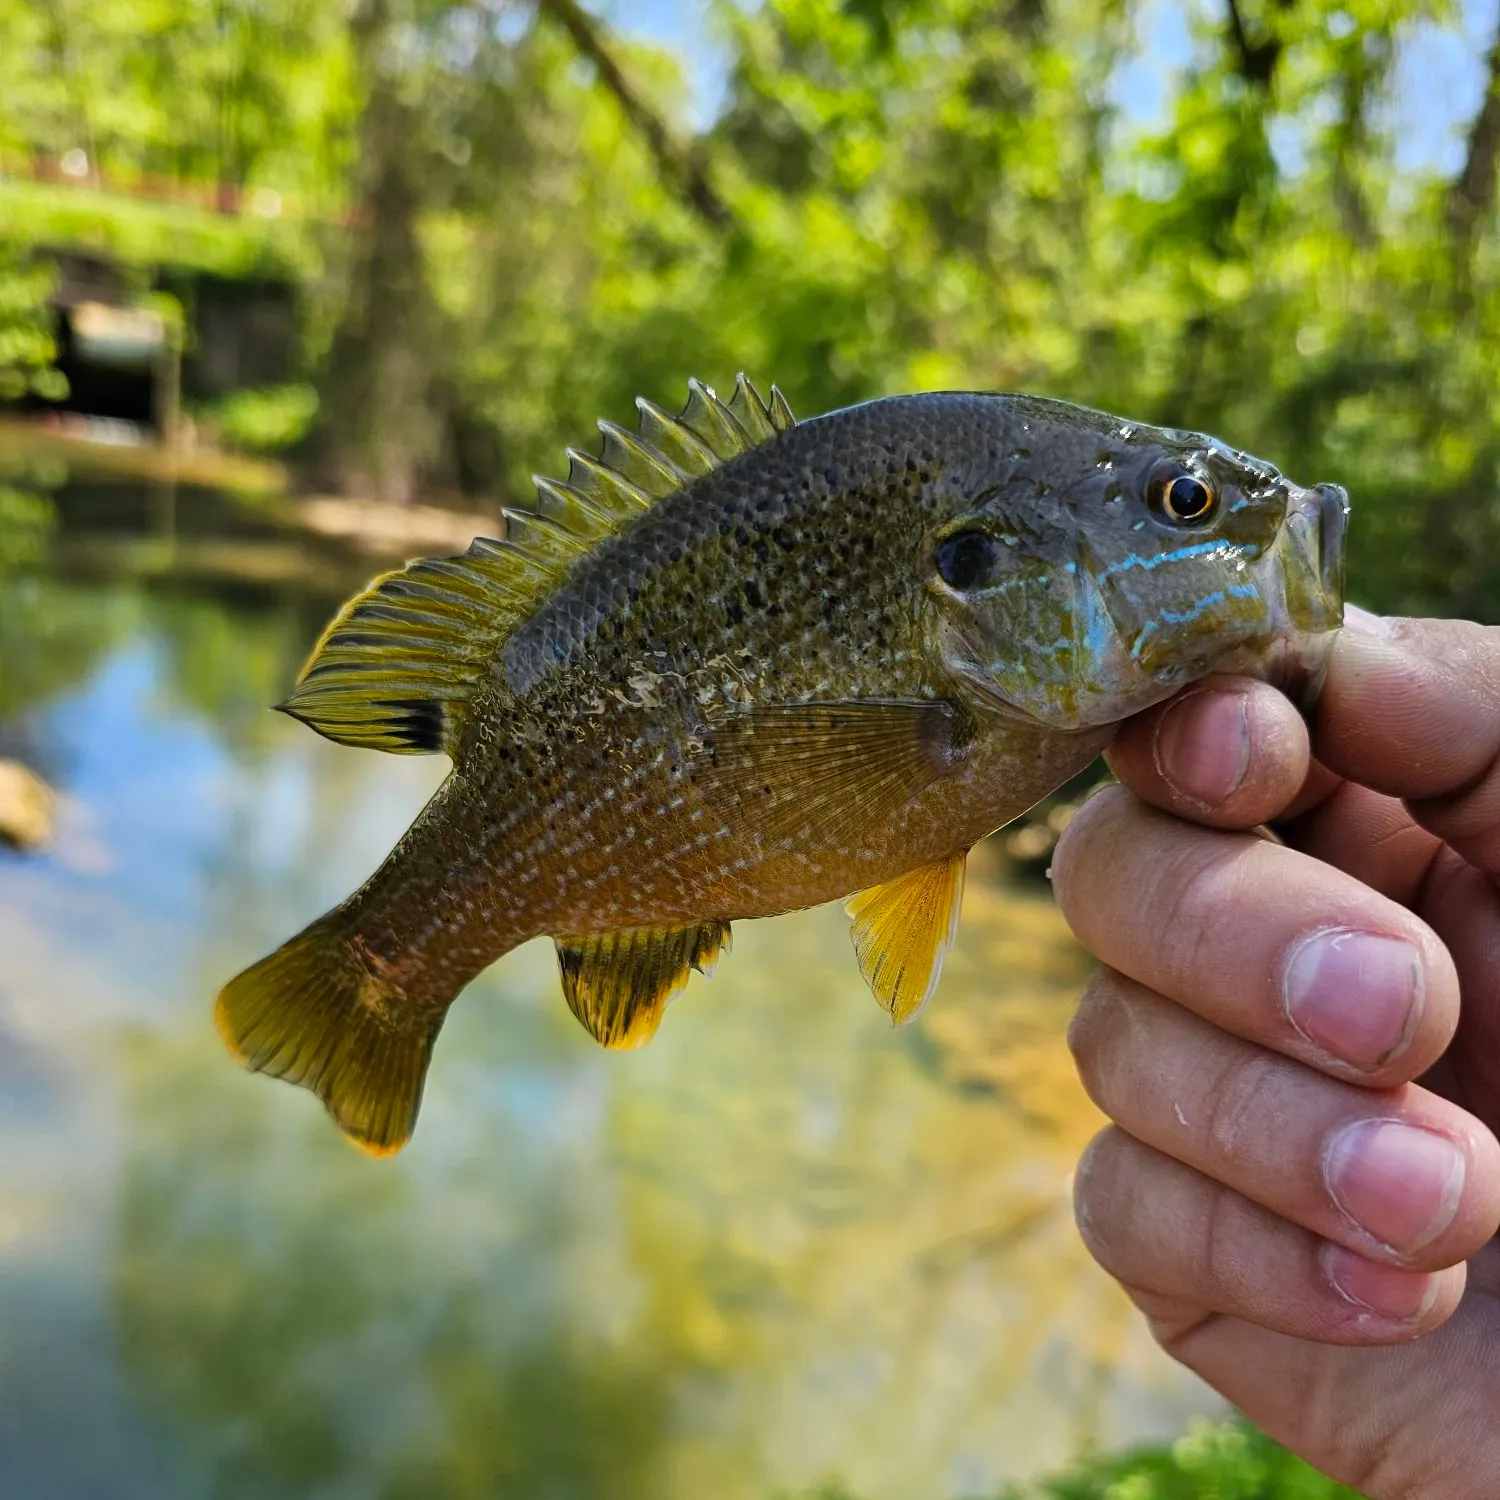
x=55 y=451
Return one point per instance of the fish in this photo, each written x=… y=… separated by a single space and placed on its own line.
x=736 y=665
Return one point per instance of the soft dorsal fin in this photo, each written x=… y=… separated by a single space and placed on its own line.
x=395 y=669
x=618 y=983
x=902 y=931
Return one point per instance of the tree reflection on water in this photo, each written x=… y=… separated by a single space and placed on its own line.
x=782 y=1245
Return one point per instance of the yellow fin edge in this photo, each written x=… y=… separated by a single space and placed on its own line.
x=902 y=931
x=396 y=667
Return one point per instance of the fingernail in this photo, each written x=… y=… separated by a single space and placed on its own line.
x=1202 y=746
x=1401 y=1296
x=1399 y=1183
x=1362 y=622
x=1356 y=995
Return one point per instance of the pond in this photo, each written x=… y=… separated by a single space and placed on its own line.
x=784 y=1247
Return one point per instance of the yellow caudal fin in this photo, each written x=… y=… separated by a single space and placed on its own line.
x=902 y=931
x=313 y=1014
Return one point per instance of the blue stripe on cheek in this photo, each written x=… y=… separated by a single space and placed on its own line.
x=1187 y=616
x=1181 y=554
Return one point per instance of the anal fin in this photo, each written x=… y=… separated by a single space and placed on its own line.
x=902 y=931
x=618 y=983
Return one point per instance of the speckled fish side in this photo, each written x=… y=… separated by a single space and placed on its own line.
x=736 y=665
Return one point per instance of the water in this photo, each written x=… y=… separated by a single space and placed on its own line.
x=784 y=1246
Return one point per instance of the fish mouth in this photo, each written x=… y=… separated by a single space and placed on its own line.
x=1331 y=506
x=1308 y=566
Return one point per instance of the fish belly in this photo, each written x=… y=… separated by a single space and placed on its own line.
x=687 y=864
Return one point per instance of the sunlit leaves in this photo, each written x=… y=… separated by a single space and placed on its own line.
x=27 y=347
x=926 y=193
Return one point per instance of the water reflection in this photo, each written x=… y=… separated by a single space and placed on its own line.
x=784 y=1244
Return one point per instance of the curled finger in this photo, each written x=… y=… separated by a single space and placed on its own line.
x=1187 y=1247
x=1399 y=1175
x=1262 y=941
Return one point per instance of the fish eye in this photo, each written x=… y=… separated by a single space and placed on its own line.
x=965 y=560
x=1181 y=497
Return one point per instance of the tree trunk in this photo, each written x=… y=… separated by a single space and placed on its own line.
x=1472 y=194
x=1255 y=58
x=379 y=429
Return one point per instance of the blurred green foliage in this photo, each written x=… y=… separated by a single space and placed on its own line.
x=504 y=226
x=26 y=520
x=27 y=347
x=266 y=420
x=1212 y=1461
x=141 y=233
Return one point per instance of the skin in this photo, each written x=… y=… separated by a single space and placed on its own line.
x=1336 y=1279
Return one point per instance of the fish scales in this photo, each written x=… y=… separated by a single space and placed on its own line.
x=825 y=662
x=769 y=528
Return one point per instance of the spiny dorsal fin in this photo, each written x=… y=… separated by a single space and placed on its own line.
x=396 y=668
x=618 y=983
x=902 y=931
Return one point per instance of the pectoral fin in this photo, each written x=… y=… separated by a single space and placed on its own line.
x=822 y=773
x=618 y=983
x=903 y=929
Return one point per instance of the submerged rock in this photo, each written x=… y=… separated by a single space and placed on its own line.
x=27 y=807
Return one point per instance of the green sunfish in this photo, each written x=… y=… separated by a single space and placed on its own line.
x=737 y=665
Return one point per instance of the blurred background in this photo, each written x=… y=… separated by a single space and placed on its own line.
x=294 y=289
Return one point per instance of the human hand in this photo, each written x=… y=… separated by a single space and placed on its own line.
x=1299 y=1046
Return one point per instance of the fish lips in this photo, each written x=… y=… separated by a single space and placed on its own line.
x=1332 y=507
x=1310 y=560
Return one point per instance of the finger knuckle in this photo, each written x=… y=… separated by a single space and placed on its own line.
x=1197 y=884
x=1096 y=1197
x=1093 y=1024
x=1235 y=1100
x=1219 y=1250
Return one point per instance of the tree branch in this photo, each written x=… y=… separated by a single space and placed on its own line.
x=1349 y=145
x=1472 y=193
x=682 y=165
x=1257 y=60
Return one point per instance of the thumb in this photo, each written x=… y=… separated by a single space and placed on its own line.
x=1412 y=709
